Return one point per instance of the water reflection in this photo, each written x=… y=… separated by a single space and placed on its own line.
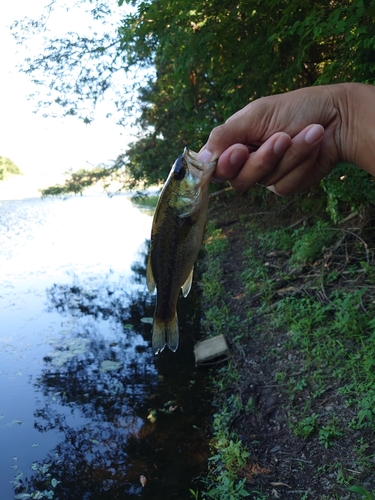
x=119 y=412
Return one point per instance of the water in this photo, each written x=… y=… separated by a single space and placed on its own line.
x=86 y=408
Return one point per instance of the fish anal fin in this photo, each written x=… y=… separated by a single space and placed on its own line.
x=165 y=333
x=150 y=280
x=187 y=285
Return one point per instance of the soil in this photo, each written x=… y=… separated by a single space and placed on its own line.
x=282 y=465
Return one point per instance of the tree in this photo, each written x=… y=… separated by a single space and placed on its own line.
x=7 y=166
x=203 y=60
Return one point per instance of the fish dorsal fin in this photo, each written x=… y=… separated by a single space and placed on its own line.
x=150 y=280
x=187 y=285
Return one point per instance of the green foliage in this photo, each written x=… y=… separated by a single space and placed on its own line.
x=319 y=327
x=230 y=456
x=335 y=339
x=306 y=426
x=255 y=272
x=194 y=493
x=309 y=242
x=216 y=243
x=202 y=60
x=217 y=318
x=347 y=183
x=328 y=433
x=144 y=200
x=7 y=166
x=325 y=331
x=82 y=179
x=335 y=40
x=305 y=244
x=364 y=494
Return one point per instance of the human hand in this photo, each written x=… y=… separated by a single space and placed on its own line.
x=286 y=142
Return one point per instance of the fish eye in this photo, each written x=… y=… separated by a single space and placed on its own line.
x=179 y=168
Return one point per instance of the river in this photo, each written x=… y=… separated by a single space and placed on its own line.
x=87 y=412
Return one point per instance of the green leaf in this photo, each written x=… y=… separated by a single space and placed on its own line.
x=244 y=493
x=358 y=489
x=213 y=493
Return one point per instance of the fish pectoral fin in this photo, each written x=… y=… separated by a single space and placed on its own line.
x=165 y=333
x=187 y=285
x=150 y=280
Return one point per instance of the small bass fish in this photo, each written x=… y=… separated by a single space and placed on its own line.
x=176 y=238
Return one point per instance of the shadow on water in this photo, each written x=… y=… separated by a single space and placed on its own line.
x=120 y=412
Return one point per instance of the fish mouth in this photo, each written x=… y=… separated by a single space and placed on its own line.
x=191 y=157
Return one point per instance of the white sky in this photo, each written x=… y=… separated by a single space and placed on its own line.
x=46 y=146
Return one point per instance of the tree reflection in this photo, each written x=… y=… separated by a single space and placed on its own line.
x=121 y=412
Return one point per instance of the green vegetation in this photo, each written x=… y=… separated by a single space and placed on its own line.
x=145 y=200
x=308 y=297
x=364 y=494
x=229 y=455
x=298 y=304
x=230 y=458
x=193 y=74
x=7 y=166
x=82 y=179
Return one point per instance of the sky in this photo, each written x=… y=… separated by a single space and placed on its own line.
x=46 y=147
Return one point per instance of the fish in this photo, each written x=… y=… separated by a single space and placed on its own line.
x=176 y=237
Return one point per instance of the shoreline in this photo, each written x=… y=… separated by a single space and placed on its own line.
x=290 y=421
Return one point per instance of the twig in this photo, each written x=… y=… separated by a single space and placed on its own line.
x=356 y=236
x=348 y=218
x=280 y=484
x=213 y=195
x=304 y=219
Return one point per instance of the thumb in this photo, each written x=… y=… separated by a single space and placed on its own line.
x=220 y=139
x=238 y=129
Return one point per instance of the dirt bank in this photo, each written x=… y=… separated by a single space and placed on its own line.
x=300 y=291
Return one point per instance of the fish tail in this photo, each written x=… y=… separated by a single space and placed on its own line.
x=165 y=333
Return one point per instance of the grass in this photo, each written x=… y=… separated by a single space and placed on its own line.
x=325 y=314
x=229 y=456
x=335 y=341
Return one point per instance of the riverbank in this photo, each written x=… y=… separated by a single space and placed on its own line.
x=293 y=294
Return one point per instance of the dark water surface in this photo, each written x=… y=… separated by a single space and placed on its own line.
x=85 y=406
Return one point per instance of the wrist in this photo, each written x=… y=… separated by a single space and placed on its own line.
x=356 y=142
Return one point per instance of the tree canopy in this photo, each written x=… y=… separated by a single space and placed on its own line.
x=200 y=62
x=7 y=166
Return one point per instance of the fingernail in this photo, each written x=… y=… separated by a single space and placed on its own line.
x=272 y=188
x=281 y=145
x=314 y=133
x=205 y=156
